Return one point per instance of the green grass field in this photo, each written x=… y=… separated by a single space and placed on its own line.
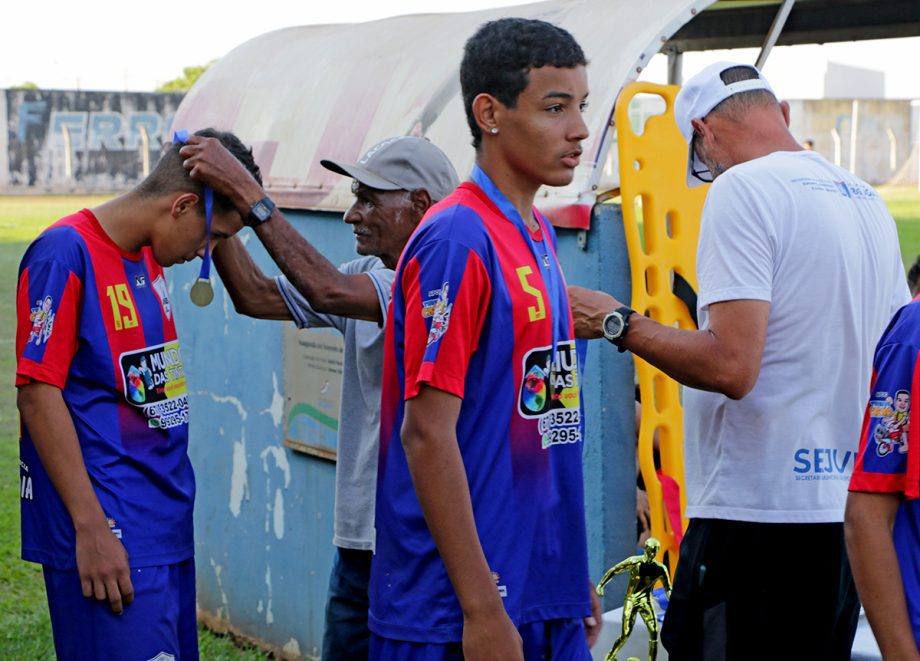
x=25 y=632
x=904 y=204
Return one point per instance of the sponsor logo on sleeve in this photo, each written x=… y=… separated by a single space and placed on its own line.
x=550 y=393
x=42 y=319
x=154 y=381
x=889 y=422
x=439 y=313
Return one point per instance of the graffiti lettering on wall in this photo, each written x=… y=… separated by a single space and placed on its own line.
x=113 y=131
x=62 y=140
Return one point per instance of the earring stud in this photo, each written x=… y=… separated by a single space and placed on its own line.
x=494 y=130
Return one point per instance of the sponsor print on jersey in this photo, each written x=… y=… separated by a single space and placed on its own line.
x=42 y=319
x=439 y=312
x=550 y=392
x=848 y=189
x=25 y=481
x=502 y=589
x=810 y=464
x=154 y=380
x=159 y=286
x=113 y=526
x=889 y=422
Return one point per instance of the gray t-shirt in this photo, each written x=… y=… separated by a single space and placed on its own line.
x=359 y=423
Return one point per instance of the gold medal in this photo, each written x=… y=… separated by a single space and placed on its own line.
x=202 y=292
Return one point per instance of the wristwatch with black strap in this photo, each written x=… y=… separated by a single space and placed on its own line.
x=616 y=325
x=259 y=212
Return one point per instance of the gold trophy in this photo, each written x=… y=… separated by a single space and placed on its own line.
x=644 y=572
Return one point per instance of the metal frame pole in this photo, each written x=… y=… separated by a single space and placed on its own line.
x=778 y=23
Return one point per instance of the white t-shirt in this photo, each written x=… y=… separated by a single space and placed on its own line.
x=820 y=245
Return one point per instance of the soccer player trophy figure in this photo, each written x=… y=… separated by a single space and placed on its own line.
x=644 y=573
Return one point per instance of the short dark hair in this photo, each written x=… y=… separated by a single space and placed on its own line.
x=738 y=104
x=498 y=58
x=168 y=176
x=913 y=276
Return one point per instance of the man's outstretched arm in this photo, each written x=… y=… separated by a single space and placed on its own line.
x=319 y=281
x=252 y=292
x=102 y=561
x=429 y=436
x=613 y=571
x=724 y=358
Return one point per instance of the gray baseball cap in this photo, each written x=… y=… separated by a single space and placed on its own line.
x=402 y=163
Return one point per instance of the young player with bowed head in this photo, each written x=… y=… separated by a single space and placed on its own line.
x=108 y=488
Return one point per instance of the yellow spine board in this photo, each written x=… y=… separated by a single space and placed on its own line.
x=661 y=215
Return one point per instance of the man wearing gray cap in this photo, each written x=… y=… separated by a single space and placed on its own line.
x=394 y=184
x=799 y=272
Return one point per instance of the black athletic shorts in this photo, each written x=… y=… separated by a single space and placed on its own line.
x=749 y=591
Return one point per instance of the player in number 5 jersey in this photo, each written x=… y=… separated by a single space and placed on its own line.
x=106 y=484
x=480 y=524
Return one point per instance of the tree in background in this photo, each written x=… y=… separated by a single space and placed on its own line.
x=28 y=85
x=190 y=76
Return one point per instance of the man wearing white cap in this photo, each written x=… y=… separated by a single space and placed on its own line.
x=394 y=184
x=799 y=272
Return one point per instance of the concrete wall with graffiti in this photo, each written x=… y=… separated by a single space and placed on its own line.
x=60 y=141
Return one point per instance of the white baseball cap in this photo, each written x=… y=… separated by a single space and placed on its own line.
x=700 y=95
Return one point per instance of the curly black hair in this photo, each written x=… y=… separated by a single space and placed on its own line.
x=498 y=58
x=169 y=176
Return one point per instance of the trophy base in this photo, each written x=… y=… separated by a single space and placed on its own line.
x=864 y=646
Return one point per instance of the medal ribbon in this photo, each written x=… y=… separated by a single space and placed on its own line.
x=181 y=137
x=547 y=265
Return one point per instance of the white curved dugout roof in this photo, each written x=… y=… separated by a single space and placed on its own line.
x=331 y=91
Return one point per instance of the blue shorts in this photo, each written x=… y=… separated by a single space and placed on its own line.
x=159 y=624
x=559 y=640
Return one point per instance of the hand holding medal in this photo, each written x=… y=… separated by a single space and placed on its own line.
x=202 y=292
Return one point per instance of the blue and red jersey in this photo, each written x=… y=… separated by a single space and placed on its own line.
x=96 y=322
x=888 y=459
x=479 y=310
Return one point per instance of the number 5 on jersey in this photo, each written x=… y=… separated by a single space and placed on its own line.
x=121 y=301
x=538 y=311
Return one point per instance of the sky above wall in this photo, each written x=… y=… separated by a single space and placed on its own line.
x=109 y=45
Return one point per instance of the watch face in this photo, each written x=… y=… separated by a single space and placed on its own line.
x=261 y=211
x=613 y=325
